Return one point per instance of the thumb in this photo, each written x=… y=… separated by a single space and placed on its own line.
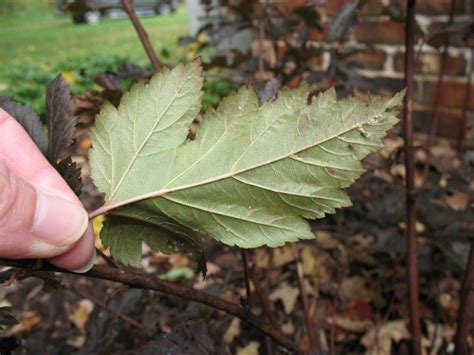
x=34 y=223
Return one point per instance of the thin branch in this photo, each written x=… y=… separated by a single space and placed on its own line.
x=150 y=282
x=104 y=306
x=467 y=95
x=466 y=307
x=262 y=295
x=410 y=180
x=127 y=6
x=313 y=339
x=245 y=262
x=437 y=98
x=107 y=259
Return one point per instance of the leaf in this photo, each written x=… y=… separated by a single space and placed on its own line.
x=61 y=128
x=252 y=176
x=6 y=318
x=287 y=294
x=269 y=91
x=71 y=173
x=343 y=21
x=28 y=119
x=189 y=337
x=60 y=125
x=125 y=230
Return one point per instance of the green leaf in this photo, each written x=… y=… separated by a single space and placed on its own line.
x=127 y=228
x=253 y=175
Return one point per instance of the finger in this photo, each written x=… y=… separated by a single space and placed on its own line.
x=33 y=223
x=22 y=156
x=81 y=257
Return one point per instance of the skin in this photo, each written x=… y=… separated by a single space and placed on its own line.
x=40 y=216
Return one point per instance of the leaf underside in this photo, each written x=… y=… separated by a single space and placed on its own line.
x=254 y=174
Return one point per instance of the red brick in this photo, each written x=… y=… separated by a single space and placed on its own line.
x=452 y=94
x=293 y=4
x=450 y=123
x=429 y=63
x=370 y=59
x=334 y=6
x=457 y=38
x=386 y=32
x=371 y=8
x=434 y=7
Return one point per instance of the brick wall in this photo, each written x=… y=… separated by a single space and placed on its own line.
x=380 y=60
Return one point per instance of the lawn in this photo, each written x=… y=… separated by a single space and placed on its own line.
x=36 y=45
x=45 y=39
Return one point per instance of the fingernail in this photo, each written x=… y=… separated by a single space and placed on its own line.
x=88 y=266
x=57 y=221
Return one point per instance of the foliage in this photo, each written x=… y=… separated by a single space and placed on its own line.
x=253 y=174
x=54 y=145
x=26 y=82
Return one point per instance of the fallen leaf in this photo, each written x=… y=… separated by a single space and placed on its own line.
x=27 y=322
x=282 y=256
x=352 y=288
x=287 y=295
x=232 y=331
x=351 y=325
x=310 y=265
x=250 y=349
x=326 y=241
x=378 y=340
x=81 y=313
x=458 y=201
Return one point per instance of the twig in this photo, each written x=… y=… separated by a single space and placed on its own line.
x=313 y=340
x=437 y=98
x=149 y=282
x=410 y=180
x=467 y=95
x=107 y=259
x=245 y=261
x=262 y=295
x=466 y=307
x=127 y=6
x=102 y=305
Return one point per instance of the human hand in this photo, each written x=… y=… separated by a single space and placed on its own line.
x=40 y=217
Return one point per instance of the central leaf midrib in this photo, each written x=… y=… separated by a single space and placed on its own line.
x=225 y=176
x=135 y=155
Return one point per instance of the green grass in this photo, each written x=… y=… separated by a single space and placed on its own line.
x=36 y=45
x=48 y=41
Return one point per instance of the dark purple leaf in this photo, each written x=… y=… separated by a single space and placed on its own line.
x=108 y=81
x=6 y=318
x=343 y=21
x=269 y=91
x=29 y=120
x=71 y=173
x=61 y=127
